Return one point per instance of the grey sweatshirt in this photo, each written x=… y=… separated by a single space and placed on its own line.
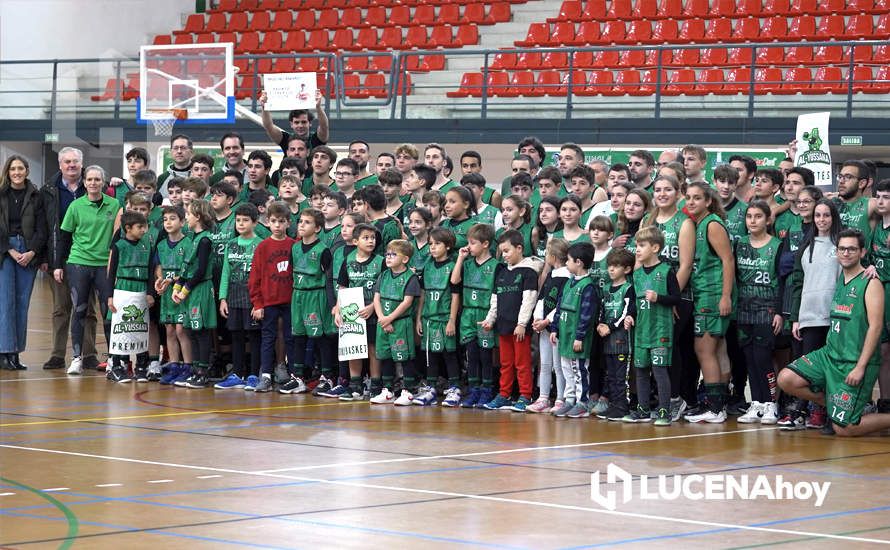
x=813 y=283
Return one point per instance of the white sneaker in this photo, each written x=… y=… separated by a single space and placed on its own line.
x=678 y=407
x=755 y=411
x=405 y=399
x=383 y=398
x=76 y=366
x=154 y=367
x=452 y=397
x=770 y=413
x=708 y=416
x=281 y=373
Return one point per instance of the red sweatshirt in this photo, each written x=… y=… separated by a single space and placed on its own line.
x=271 y=277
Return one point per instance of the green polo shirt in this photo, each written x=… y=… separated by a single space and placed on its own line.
x=90 y=225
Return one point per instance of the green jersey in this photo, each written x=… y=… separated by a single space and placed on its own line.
x=393 y=287
x=447 y=186
x=584 y=237
x=366 y=181
x=91 y=225
x=707 y=269
x=364 y=274
x=848 y=321
x=132 y=264
x=526 y=231
x=436 y=284
x=238 y=257
x=328 y=236
x=478 y=282
x=599 y=272
x=339 y=251
x=757 y=278
x=570 y=305
x=172 y=255
x=246 y=190
x=654 y=325
x=308 y=272
x=670 y=253
x=420 y=257
x=389 y=231
x=735 y=219
x=190 y=268
x=220 y=235
x=486 y=214
x=789 y=225
x=616 y=305
x=541 y=250
x=460 y=229
x=879 y=251
x=854 y=214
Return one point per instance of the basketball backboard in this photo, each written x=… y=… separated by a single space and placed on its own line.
x=199 y=78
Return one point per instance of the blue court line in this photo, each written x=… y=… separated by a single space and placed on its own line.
x=141 y=531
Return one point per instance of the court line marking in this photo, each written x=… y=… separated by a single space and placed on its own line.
x=110 y=485
x=161 y=415
x=503 y=500
x=509 y=451
x=160 y=481
x=6 y=494
x=54 y=489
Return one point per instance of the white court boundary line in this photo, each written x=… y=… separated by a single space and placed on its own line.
x=510 y=451
x=503 y=500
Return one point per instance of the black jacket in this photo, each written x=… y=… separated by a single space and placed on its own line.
x=50 y=195
x=33 y=223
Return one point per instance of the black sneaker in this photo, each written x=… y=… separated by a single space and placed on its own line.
x=91 y=362
x=141 y=374
x=196 y=381
x=54 y=363
x=16 y=362
x=294 y=385
x=119 y=374
x=737 y=406
x=884 y=406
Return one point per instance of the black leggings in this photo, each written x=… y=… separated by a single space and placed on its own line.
x=84 y=281
x=738 y=360
x=684 y=371
x=479 y=364
x=757 y=343
x=811 y=339
x=433 y=366
x=324 y=346
x=239 y=339
x=616 y=381
x=201 y=346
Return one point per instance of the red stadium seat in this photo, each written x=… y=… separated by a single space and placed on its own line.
x=832 y=6
x=400 y=15
x=432 y=62
x=719 y=30
x=828 y=55
x=283 y=21
x=470 y=86
x=882 y=81
x=829 y=80
x=352 y=87
x=665 y=30
x=588 y=33
x=113 y=87
x=776 y=7
x=538 y=33
x=693 y=31
x=425 y=14
x=862 y=79
x=649 y=81
x=249 y=42
x=570 y=10
x=672 y=9
x=205 y=38
x=351 y=18
x=684 y=58
x=738 y=81
x=227 y=5
x=522 y=83
x=375 y=86
x=803 y=27
x=639 y=31
x=582 y=60
x=803 y=7
x=382 y=63
x=193 y=24
x=498 y=84
x=475 y=14
x=555 y=60
x=162 y=40
x=859 y=26
x=550 y=83
x=367 y=38
x=798 y=79
x=391 y=37
x=882 y=29
x=799 y=55
x=739 y=56
x=216 y=22
x=619 y=9
x=295 y=42
x=528 y=60
x=376 y=16
x=627 y=82
x=183 y=39
x=467 y=35
x=503 y=62
x=774 y=28
x=599 y=83
x=578 y=81
x=343 y=40
x=606 y=59
x=594 y=10
x=645 y=9
x=860 y=6
x=271 y=42
x=768 y=80
x=831 y=26
x=713 y=57
x=710 y=81
x=882 y=54
x=746 y=30
x=319 y=39
x=260 y=21
x=696 y=9
x=862 y=55
x=751 y=8
x=417 y=36
x=309 y=64
x=724 y=8
x=237 y=22
x=356 y=63
x=328 y=19
x=770 y=56
x=562 y=34
x=247 y=87
x=682 y=82
x=500 y=12
x=614 y=32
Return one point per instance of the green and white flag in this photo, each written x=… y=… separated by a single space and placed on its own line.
x=129 y=324
x=353 y=342
x=812 y=147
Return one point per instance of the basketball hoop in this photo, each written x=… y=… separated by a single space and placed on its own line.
x=167 y=118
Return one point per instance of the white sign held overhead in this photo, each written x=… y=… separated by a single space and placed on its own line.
x=287 y=91
x=812 y=146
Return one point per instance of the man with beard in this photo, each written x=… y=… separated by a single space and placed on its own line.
x=181 y=150
x=300 y=123
x=232 y=146
x=855 y=208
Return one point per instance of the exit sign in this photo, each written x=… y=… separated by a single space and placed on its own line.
x=51 y=138
x=851 y=140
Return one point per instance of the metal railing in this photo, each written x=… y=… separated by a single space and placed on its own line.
x=404 y=88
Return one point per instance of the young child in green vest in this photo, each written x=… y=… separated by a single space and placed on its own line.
x=618 y=302
x=128 y=270
x=234 y=300
x=573 y=321
x=394 y=295
x=657 y=293
x=172 y=253
x=311 y=303
x=437 y=320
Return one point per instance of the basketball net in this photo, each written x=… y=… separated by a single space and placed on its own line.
x=164 y=125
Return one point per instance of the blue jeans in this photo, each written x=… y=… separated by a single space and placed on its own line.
x=271 y=314
x=16 y=283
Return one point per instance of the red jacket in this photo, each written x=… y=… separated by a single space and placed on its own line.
x=271 y=275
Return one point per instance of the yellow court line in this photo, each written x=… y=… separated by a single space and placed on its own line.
x=161 y=415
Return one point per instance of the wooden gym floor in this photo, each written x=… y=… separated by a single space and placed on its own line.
x=86 y=463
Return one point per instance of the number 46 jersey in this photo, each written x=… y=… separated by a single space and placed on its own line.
x=757 y=280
